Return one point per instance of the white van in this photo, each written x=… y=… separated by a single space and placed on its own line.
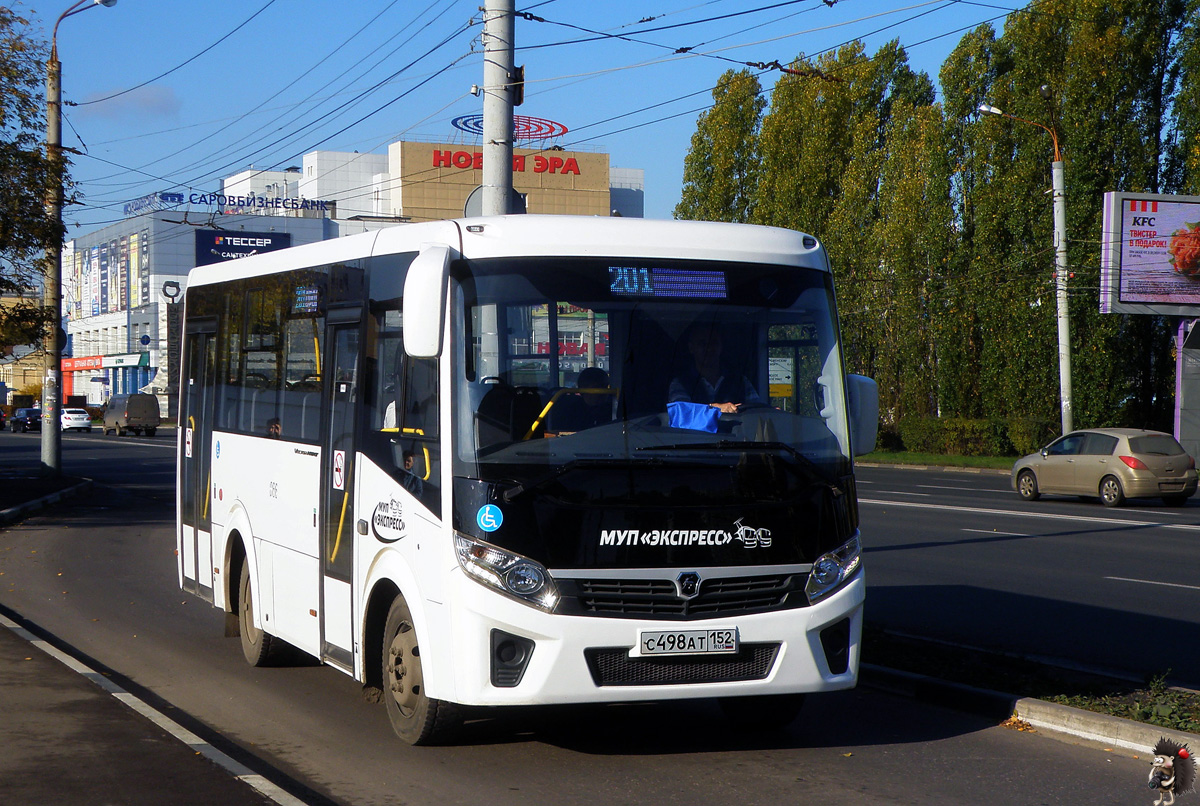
x=137 y=413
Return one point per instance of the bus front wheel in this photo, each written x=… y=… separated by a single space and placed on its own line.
x=258 y=647
x=416 y=718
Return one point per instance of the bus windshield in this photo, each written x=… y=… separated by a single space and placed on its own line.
x=582 y=366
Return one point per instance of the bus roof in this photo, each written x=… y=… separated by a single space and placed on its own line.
x=544 y=236
x=554 y=235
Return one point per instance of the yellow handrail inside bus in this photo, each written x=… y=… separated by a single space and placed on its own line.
x=207 y=480
x=337 y=543
x=424 y=448
x=560 y=393
x=316 y=347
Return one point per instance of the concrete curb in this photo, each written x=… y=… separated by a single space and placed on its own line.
x=13 y=514
x=1109 y=730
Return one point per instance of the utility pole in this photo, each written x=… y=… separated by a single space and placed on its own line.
x=1057 y=187
x=1060 y=285
x=498 y=79
x=52 y=285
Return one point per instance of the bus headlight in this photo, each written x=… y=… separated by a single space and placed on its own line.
x=832 y=569
x=509 y=573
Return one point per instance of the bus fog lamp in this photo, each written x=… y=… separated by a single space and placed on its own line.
x=832 y=570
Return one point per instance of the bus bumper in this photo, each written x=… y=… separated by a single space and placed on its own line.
x=556 y=659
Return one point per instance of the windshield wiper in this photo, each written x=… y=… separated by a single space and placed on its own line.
x=567 y=467
x=729 y=444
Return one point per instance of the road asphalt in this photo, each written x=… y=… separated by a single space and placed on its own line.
x=72 y=734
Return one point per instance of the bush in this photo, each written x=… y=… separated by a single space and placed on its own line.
x=965 y=437
x=1029 y=435
x=922 y=434
x=960 y=436
x=889 y=440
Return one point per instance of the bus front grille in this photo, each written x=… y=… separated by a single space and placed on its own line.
x=613 y=667
x=658 y=598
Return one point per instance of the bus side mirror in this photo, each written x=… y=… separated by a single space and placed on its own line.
x=863 y=395
x=425 y=301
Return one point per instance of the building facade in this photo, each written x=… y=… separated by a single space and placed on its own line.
x=122 y=283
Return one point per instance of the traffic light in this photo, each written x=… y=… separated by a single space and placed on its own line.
x=518 y=86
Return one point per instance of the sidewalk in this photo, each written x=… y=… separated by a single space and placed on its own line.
x=71 y=736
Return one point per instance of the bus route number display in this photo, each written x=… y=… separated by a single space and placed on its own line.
x=629 y=281
x=307 y=300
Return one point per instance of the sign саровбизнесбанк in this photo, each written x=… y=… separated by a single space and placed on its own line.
x=165 y=200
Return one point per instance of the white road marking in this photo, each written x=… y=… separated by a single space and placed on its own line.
x=1118 y=522
x=995 y=532
x=964 y=489
x=234 y=768
x=1156 y=582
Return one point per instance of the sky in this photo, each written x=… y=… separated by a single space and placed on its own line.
x=175 y=94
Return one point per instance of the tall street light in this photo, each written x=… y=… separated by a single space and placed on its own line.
x=1060 y=248
x=52 y=287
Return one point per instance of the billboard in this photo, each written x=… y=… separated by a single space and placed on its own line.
x=214 y=246
x=1150 y=254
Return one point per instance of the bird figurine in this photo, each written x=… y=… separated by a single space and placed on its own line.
x=1172 y=771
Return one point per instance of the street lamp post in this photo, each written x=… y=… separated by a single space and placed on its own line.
x=1060 y=273
x=52 y=286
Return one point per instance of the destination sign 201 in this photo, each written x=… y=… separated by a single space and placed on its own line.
x=630 y=281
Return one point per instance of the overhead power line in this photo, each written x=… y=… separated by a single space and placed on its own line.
x=180 y=65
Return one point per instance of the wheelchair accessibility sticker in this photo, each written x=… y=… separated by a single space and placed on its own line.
x=489 y=517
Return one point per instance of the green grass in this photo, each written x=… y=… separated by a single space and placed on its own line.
x=936 y=459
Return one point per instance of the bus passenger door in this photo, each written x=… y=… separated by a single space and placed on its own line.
x=337 y=498
x=195 y=423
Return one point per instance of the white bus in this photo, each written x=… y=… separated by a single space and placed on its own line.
x=530 y=460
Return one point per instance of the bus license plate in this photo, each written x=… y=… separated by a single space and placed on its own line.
x=688 y=642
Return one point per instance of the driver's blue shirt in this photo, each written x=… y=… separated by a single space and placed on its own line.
x=694 y=388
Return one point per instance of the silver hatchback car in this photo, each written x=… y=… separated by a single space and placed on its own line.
x=1113 y=463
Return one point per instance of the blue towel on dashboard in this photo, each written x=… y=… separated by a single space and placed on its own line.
x=696 y=416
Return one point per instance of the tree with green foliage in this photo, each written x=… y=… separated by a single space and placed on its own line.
x=939 y=221
x=1112 y=76
x=917 y=245
x=720 y=172
x=1183 y=139
x=825 y=144
x=25 y=176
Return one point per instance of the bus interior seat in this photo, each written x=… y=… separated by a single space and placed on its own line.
x=506 y=413
x=256 y=410
x=310 y=415
x=291 y=415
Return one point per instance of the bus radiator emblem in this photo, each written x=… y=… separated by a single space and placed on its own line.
x=687 y=585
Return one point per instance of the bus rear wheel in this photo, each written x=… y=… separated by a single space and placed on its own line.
x=416 y=718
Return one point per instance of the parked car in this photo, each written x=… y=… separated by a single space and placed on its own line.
x=76 y=420
x=26 y=420
x=137 y=413
x=1113 y=463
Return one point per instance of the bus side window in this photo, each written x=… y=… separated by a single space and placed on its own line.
x=403 y=408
